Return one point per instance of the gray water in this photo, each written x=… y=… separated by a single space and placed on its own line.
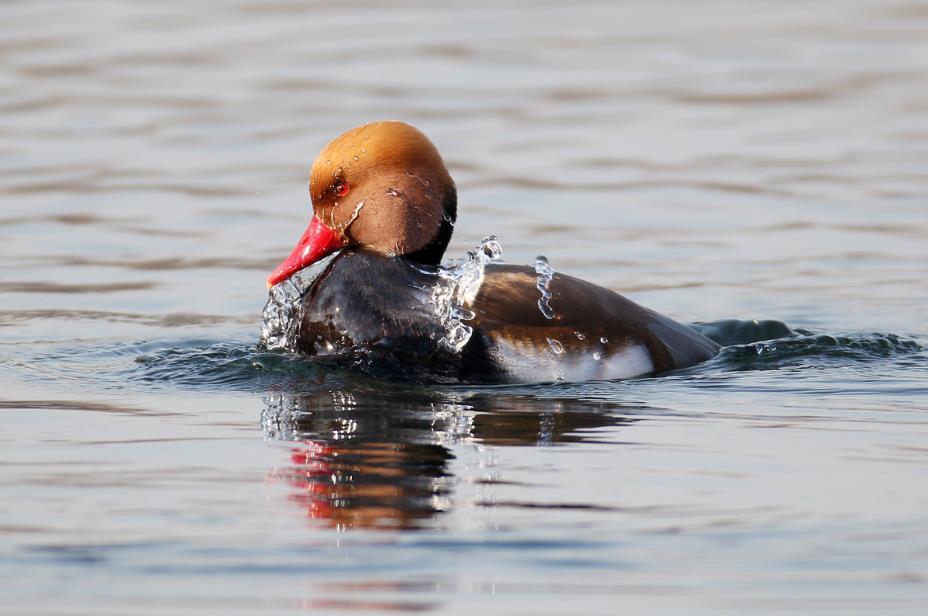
x=718 y=162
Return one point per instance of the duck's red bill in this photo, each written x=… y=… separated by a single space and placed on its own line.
x=317 y=242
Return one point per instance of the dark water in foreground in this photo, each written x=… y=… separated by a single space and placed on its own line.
x=737 y=162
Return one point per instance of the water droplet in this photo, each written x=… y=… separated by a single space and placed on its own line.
x=555 y=345
x=490 y=247
x=422 y=181
x=393 y=192
x=354 y=215
x=579 y=335
x=597 y=355
x=545 y=309
x=603 y=339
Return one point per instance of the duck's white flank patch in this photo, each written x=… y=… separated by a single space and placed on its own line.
x=527 y=363
x=628 y=363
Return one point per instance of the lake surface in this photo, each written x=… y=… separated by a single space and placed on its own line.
x=727 y=161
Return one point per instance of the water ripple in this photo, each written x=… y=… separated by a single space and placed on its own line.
x=240 y=365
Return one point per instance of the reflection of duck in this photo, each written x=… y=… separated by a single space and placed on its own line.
x=356 y=469
x=379 y=461
x=383 y=190
x=524 y=420
x=369 y=485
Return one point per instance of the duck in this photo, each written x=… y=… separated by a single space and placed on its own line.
x=384 y=208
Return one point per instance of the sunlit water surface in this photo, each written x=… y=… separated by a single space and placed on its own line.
x=721 y=164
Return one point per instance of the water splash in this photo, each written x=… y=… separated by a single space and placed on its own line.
x=459 y=283
x=280 y=320
x=545 y=275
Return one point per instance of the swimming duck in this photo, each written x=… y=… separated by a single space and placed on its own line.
x=383 y=199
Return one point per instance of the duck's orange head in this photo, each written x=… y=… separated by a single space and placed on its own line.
x=382 y=186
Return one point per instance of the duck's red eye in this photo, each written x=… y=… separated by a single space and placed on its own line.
x=341 y=188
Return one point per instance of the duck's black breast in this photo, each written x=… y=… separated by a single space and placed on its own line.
x=367 y=303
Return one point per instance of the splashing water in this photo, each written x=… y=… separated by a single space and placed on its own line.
x=454 y=287
x=280 y=320
x=458 y=287
x=545 y=275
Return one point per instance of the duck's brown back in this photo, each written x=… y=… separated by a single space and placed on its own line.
x=592 y=332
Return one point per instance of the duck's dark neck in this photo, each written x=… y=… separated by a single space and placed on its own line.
x=432 y=252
